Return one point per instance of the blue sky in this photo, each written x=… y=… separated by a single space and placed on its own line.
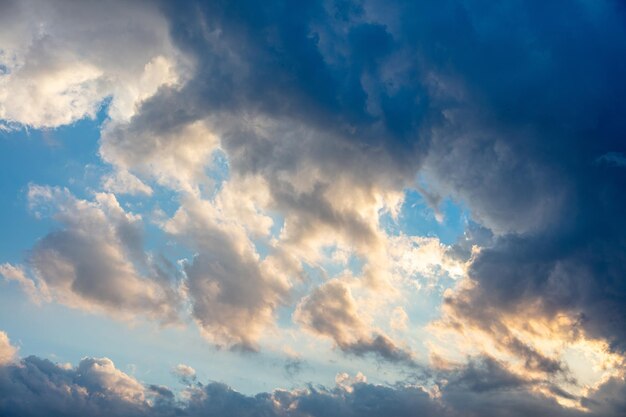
x=333 y=208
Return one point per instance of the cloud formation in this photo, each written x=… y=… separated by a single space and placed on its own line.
x=7 y=351
x=36 y=387
x=331 y=311
x=61 y=60
x=233 y=292
x=326 y=113
x=97 y=261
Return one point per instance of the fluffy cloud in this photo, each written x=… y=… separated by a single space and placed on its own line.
x=174 y=156
x=123 y=182
x=96 y=261
x=184 y=372
x=36 y=387
x=8 y=352
x=533 y=179
x=331 y=311
x=234 y=293
x=61 y=60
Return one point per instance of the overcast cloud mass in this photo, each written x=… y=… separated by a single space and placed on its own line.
x=323 y=208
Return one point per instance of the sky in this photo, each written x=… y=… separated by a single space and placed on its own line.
x=313 y=209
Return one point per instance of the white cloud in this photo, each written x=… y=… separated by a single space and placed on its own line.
x=8 y=353
x=175 y=157
x=96 y=261
x=101 y=375
x=123 y=182
x=63 y=58
x=184 y=371
x=17 y=274
x=399 y=319
x=234 y=293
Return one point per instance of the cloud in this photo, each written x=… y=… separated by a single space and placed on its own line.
x=36 y=387
x=97 y=261
x=234 y=293
x=8 y=352
x=19 y=275
x=331 y=311
x=399 y=319
x=123 y=182
x=326 y=114
x=185 y=372
x=532 y=179
x=61 y=60
x=173 y=156
x=100 y=375
x=615 y=159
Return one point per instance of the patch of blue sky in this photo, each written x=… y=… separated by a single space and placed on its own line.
x=60 y=157
x=418 y=218
x=263 y=244
x=218 y=172
x=160 y=206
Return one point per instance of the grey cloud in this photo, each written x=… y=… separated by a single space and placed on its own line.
x=62 y=59
x=526 y=161
x=331 y=311
x=35 y=387
x=97 y=260
x=233 y=293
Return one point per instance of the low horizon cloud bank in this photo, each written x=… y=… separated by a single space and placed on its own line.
x=33 y=386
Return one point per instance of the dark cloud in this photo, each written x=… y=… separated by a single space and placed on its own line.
x=293 y=366
x=36 y=387
x=549 y=111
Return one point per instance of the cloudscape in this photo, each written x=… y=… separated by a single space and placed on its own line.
x=331 y=208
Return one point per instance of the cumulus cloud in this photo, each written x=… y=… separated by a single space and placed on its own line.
x=36 y=387
x=97 y=261
x=123 y=182
x=173 y=156
x=8 y=352
x=234 y=293
x=331 y=311
x=534 y=180
x=185 y=372
x=60 y=60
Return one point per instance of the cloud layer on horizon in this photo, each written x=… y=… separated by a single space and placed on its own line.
x=33 y=387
